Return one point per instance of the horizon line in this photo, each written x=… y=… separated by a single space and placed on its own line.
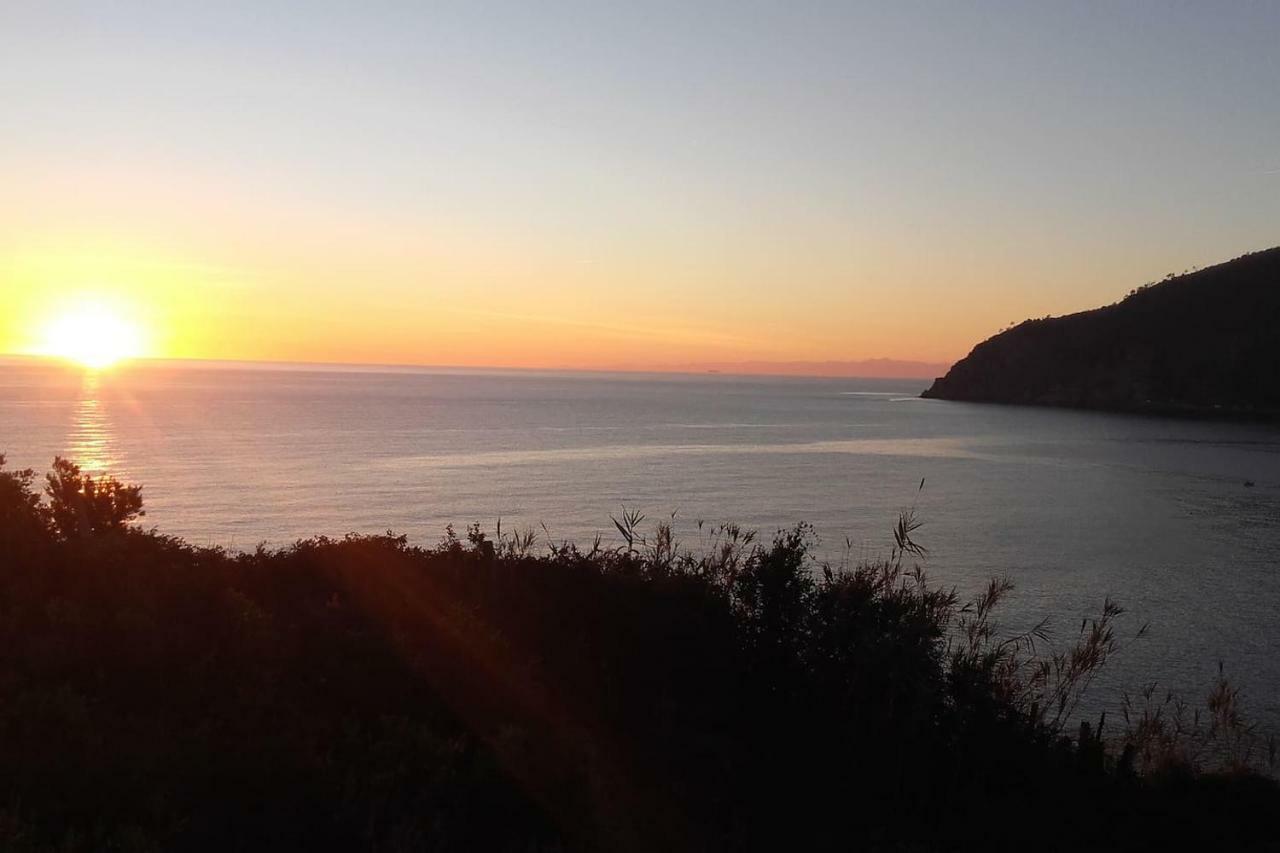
x=728 y=368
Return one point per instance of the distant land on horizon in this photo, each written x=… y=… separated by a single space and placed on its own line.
x=1202 y=343
x=868 y=368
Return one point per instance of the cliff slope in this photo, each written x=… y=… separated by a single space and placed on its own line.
x=1204 y=342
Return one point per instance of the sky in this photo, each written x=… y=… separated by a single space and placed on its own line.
x=604 y=185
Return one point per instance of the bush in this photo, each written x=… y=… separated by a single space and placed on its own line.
x=362 y=693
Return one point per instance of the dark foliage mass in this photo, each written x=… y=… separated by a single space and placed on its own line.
x=1203 y=342
x=364 y=694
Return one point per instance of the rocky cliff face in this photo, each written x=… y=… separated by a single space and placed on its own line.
x=1204 y=342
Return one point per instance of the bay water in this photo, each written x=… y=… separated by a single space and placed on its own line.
x=1178 y=520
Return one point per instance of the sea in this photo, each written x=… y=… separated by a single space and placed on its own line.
x=1177 y=520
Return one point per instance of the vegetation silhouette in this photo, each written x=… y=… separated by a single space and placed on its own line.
x=1203 y=342
x=365 y=694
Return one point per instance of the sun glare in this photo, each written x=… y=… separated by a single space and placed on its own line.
x=92 y=335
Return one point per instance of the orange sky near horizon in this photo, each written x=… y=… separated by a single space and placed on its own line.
x=390 y=299
x=241 y=275
x=387 y=304
x=302 y=286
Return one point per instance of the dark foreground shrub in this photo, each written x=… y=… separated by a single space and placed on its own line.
x=363 y=694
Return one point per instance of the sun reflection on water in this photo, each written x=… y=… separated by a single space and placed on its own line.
x=91 y=439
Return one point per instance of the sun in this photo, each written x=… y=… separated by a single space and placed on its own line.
x=92 y=335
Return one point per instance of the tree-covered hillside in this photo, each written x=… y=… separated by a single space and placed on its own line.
x=1203 y=342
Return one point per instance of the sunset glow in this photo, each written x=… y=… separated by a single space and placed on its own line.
x=647 y=194
x=93 y=336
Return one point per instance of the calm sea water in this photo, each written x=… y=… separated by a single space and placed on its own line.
x=1072 y=506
